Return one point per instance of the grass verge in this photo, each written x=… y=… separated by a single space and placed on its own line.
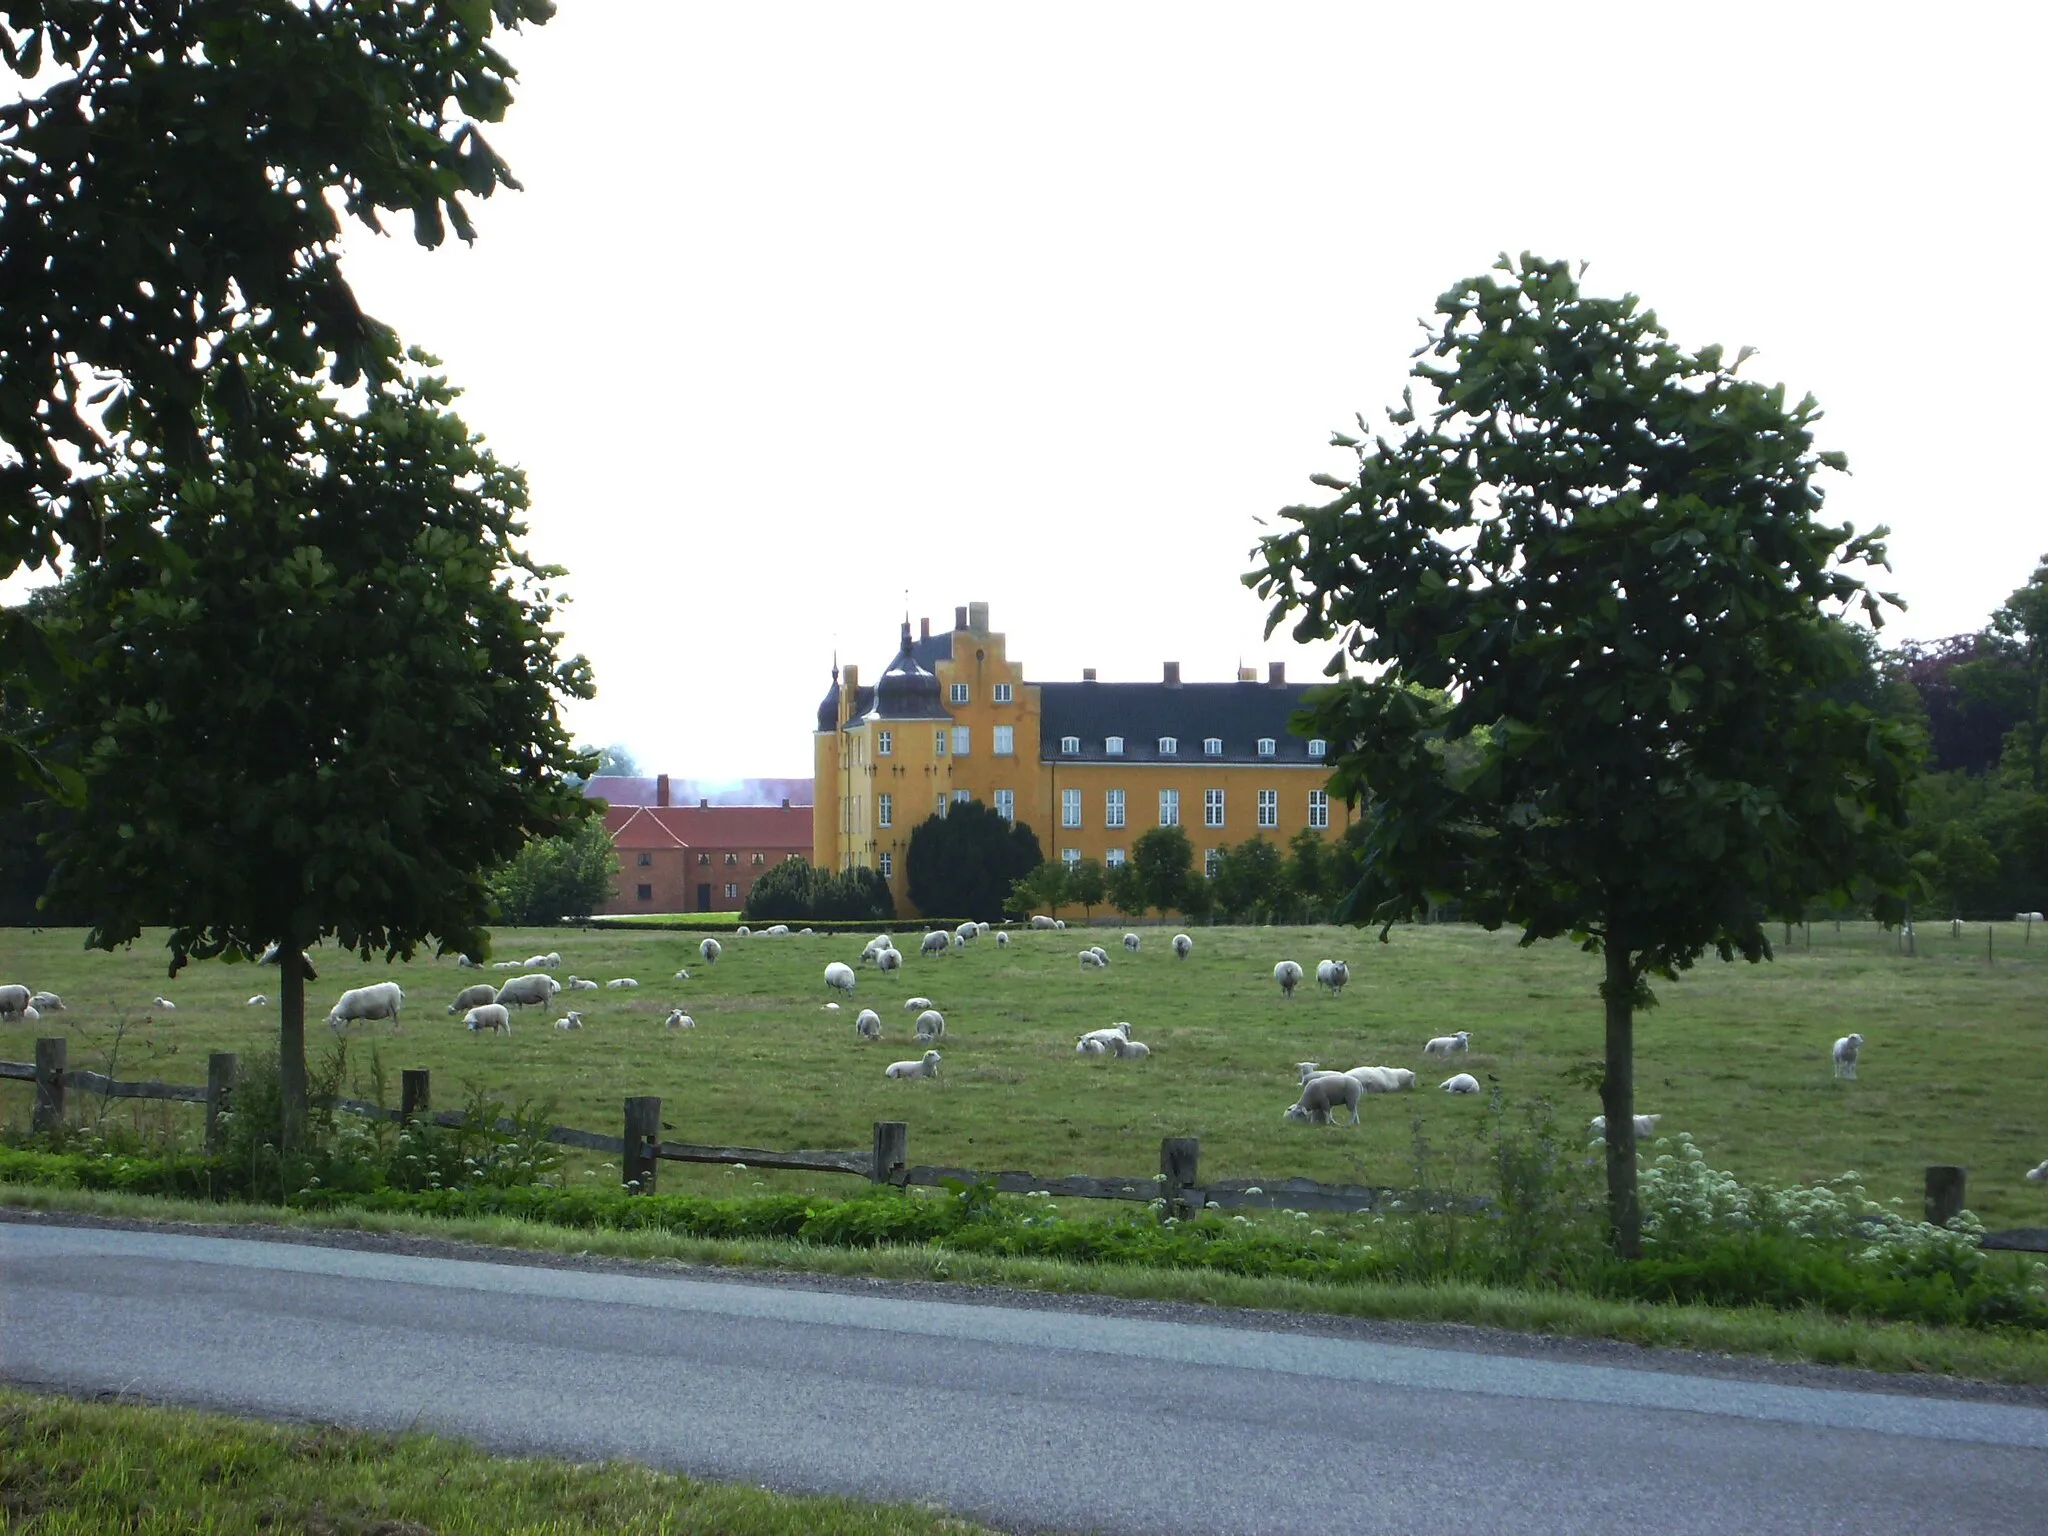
x=1810 y=1336
x=68 y=1466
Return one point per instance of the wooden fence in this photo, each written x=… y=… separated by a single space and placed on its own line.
x=641 y=1151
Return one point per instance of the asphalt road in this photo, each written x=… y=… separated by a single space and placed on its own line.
x=1029 y=1419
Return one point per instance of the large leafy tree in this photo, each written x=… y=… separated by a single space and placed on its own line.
x=2020 y=632
x=1607 y=690
x=319 y=692
x=1162 y=877
x=964 y=863
x=553 y=879
x=1251 y=878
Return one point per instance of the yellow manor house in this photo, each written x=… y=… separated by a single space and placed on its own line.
x=1088 y=766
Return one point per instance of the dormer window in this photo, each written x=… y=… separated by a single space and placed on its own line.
x=1266 y=746
x=1169 y=746
x=1113 y=746
x=1316 y=747
x=1212 y=746
x=1070 y=744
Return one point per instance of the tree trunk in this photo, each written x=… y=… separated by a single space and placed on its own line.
x=291 y=1038
x=1618 y=1100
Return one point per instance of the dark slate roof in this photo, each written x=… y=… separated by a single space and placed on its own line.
x=932 y=649
x=907 y=691
x=1141 y=713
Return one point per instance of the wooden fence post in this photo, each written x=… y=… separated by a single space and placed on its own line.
x=892 y=1151
x=222 y=1068
x=415 y=1092
x=1944 y=1192
x=643 y=1135
x=1179 y=1157
x=48 y=1114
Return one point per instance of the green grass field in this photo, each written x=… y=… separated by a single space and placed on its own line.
x=1737 y=1055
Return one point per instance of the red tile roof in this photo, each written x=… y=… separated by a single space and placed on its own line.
x=765 y=828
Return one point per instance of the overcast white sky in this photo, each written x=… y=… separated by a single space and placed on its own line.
x=805 y=305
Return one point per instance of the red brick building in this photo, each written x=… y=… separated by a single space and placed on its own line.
x=698 y=858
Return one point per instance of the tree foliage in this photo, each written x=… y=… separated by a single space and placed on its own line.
x=1596 y=570
x=964 y=863
x=1162 y=874
x=557 y=879
x=1251 y=880
x=795 y=891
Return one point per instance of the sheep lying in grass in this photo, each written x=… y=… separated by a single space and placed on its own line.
x=1444 y=1045
x=930 y=1024
x=840 y=978
x=1087 y=1047
x=1288 y=974
x=620 y=983
x=2038 y=1175
x=1322 y=1093
x=1646 y=1125
x=1103 y=1037
x=1183 y=946
x=869 y=1025
x=913 y=1004
x=928 y=1066
x=160 y=1001
x=711 y=949
x=258 y=1001
x=492 y=1016
x=1129 y=1050
x=464 y=963
x=1845 y=1053
x=581 y=984
x=473 y=997
x=570 y=1020
x=677 y=1019
x=1464 y=1082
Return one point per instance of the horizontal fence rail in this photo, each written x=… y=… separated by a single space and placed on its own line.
x=641 y=1149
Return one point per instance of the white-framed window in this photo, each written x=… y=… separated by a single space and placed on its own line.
x=939 y=805
x=1113 y=858
x=1212 y=860
x=883 y=740
x=733 y=858
x=1006 y=804
x=1002 y=693
x=732 y=893
x=1169 y=746
x=1070 y=807
x=1112 y=808
x=1319 y=807
x=959 y=693
x=886 y=863
x=1212 y=807
x=1267 y=746
x=961 y=796
x=1113 y=746
x=1317 y=746
x=758 y=860
x=1269 y=807
x=1169 y=807
x=885 y=810
x=939 y=745
x=1070 y=857
x=644 y=860
x=1006 y=741
x=961 y=733
x=1070 y=744
x=1212 y=746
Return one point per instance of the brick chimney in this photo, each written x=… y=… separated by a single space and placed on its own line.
x=1087 y=674
x=785 y=802
x=661 y=790
x=1173 y=674
x=960 y=617
x=924 y=629
x=1276 y=674
x=977 y=617
x=703 y=805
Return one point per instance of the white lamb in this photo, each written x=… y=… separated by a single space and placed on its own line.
x=492 y=1016
x=869 y=1025
x=1183 y=946
x=710 y=949
x=1383 y=1079
x=1131 y=942
x=1646 y=1125
x=621 y=983
x=930 y=1024
x=959 y=941
x=1322 y=1093
x=47 y=1002
x=464 y=963
x=744 y=931
x=1444 y=1045
x=160 y=1002
x=927 y=1067
x=536 y=988
x=935 y=943
x=1130 y=1050
x=585 y=984
x=839 y=977
x=1331 y=975
x=1002 y=941
x=2038 y=1175
x=981 y=929
x=910 y=1004
x=1288 y=974
x=570 y=1020
x=1087 y=1047
x=1464 y=1082
x=539 y=962
x=380 y=1001
x=677 y=1019
x=473 y=997
x=1846 y=1049
x=1059 y=925
x=504 y=965
x=1103 y=1037
x=967 y=931
x=1091 y=961
x=258 y=1001
x=30 y=1014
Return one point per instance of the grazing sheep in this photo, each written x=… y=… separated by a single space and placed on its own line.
x=2038 y=1175
x=583 y=984
x=1105 y=1037
x=890 y=960
x=473 y=997
x=1288 y=974
x=258 y=1001
x=1183 y=946
x=492 y=1016
x=1040 y=921
x=1383 y=1079
x=1331 y=975
x=1443 y=1045
x=1464 y=1082
x=2026 y=917
x=916 y=1002
x=839 y=977
x=981 y=929
x=1002 y=941
x=930 y=1024
x=806 y=932
x=1955 y=927
x=744 y=931
x=13 y=998
x=927 y=1067
x=1845 y=1056
x=1129 y=1050
x=873 y=950
x=1322 y=1093
x=1131 y=942
x=537 y=987
x=959 y=942
x=464 y=963
x=1091 y=961
x=869 y=1025
x=677 y=1019
x=1646 y=1125
x=621 y=983
x=710 y=949
x=361 y=1004
x=935 y=943
x=164 y=1003
x=47 y=1002
x=1059 y=925
x=967 y=931
x=570 y=1020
